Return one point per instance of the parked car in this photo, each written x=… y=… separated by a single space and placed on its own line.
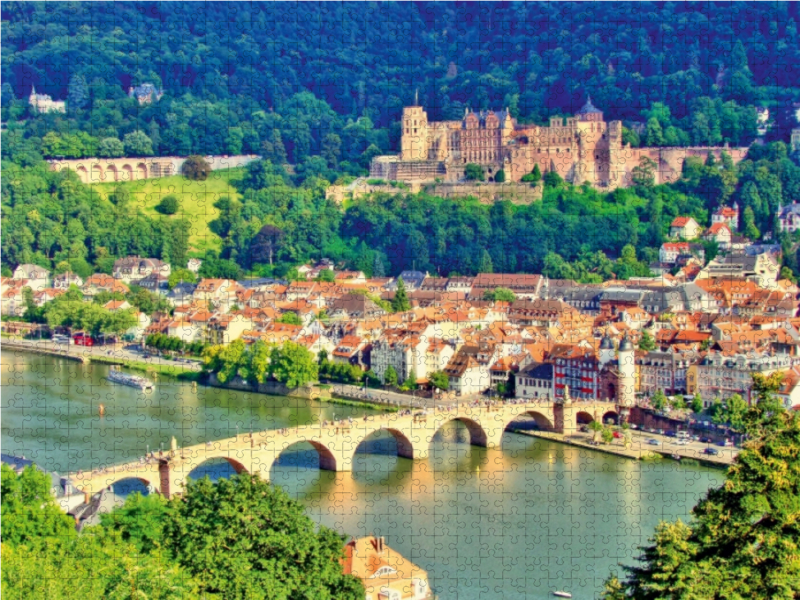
x=617 y=434
x=682 y=442
x=711 y=451
x=706 y=440
x=670 y=434
x=723 y=443
x=653 y=442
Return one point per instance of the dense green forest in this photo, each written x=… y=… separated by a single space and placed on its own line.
x=280 y=221
x=320 y=87
x=294 y=80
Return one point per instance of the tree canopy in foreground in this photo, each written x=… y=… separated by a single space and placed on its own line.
x=743 y=541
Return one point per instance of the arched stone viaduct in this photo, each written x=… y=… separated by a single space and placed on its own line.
x=337 y=442
x=109 y=170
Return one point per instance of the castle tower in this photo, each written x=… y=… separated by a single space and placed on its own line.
x=414 y=142
x=626 y=395
x=616 y=159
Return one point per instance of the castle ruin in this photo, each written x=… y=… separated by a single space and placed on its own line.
x=583 y=148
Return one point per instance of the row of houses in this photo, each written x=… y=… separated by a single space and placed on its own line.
x=556 y=335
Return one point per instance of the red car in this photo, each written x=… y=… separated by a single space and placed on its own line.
x=81 y=339
x=617 y=434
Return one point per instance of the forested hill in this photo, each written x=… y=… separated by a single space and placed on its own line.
x=244 y=66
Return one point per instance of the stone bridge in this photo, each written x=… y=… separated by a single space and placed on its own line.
x=109 y=170
x=336 y=442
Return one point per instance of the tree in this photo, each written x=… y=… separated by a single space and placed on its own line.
x=500 y=176
x=289 y=318
x=378 y=270
x=552 y=179
x=177 y=276
x=750 y=230
x=245 y=538
x=137 y=143
x=659 y=400
x=110 y=147
x=697 y=403
x=499 y=294
x=647 y=343
x=196 y=168
x=390 y=376
x=265 y=244
x=644 y=173
x=743 y=537
x=411 y=381
x=654 y=135
x=733 y=412
x=169 y=205
x=473 y=172
x=326 y=275
x=534 y=176
x=293 y=365
x=140 y=520
x=439 y=380
x=607 y=435
x=77 y=92
x=486 y=265
x=28 y=509
x=596 y=427
x=400 y=302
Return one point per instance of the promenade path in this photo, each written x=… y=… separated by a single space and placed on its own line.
x=336 y=442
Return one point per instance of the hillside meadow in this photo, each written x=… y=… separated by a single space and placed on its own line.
x=196 y=198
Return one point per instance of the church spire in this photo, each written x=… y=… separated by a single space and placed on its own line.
x=416 y=97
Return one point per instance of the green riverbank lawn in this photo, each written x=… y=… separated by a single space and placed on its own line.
x=196 y=200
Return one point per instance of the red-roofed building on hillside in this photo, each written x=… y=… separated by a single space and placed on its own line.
x=728 y=215
x=720 y=233
x=685 y=228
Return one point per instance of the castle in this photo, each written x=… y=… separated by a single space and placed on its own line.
x=582 y=148
x=43 y=103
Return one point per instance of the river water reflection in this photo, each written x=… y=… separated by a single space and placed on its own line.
x=516 y=522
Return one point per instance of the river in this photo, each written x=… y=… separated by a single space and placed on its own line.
x=513 y=522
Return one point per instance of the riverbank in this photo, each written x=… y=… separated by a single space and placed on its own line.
x=636 y=451
x=180 y=372
x=16 y=346
x=345 y=401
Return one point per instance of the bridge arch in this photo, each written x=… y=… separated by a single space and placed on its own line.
x=327 y=459
x=542 y=421
x=112 y=173
x=583 y=417
x=199 y=468
x=405 y=447
x=127 y=172
x=83 y=174
x=141 y=171
x=611 y=415
x=123 y=486
x=477 y=434
x=97 y=173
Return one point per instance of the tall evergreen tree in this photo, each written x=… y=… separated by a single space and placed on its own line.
x=400 y=302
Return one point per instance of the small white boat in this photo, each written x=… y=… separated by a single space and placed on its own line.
x=117 y=376
x=561 y=594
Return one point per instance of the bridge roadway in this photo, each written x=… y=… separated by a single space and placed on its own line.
x=336 y=442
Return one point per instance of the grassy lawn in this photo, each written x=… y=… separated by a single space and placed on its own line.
x=196 y=200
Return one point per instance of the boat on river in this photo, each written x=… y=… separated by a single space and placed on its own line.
x=117 y=376
x=561 y=594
